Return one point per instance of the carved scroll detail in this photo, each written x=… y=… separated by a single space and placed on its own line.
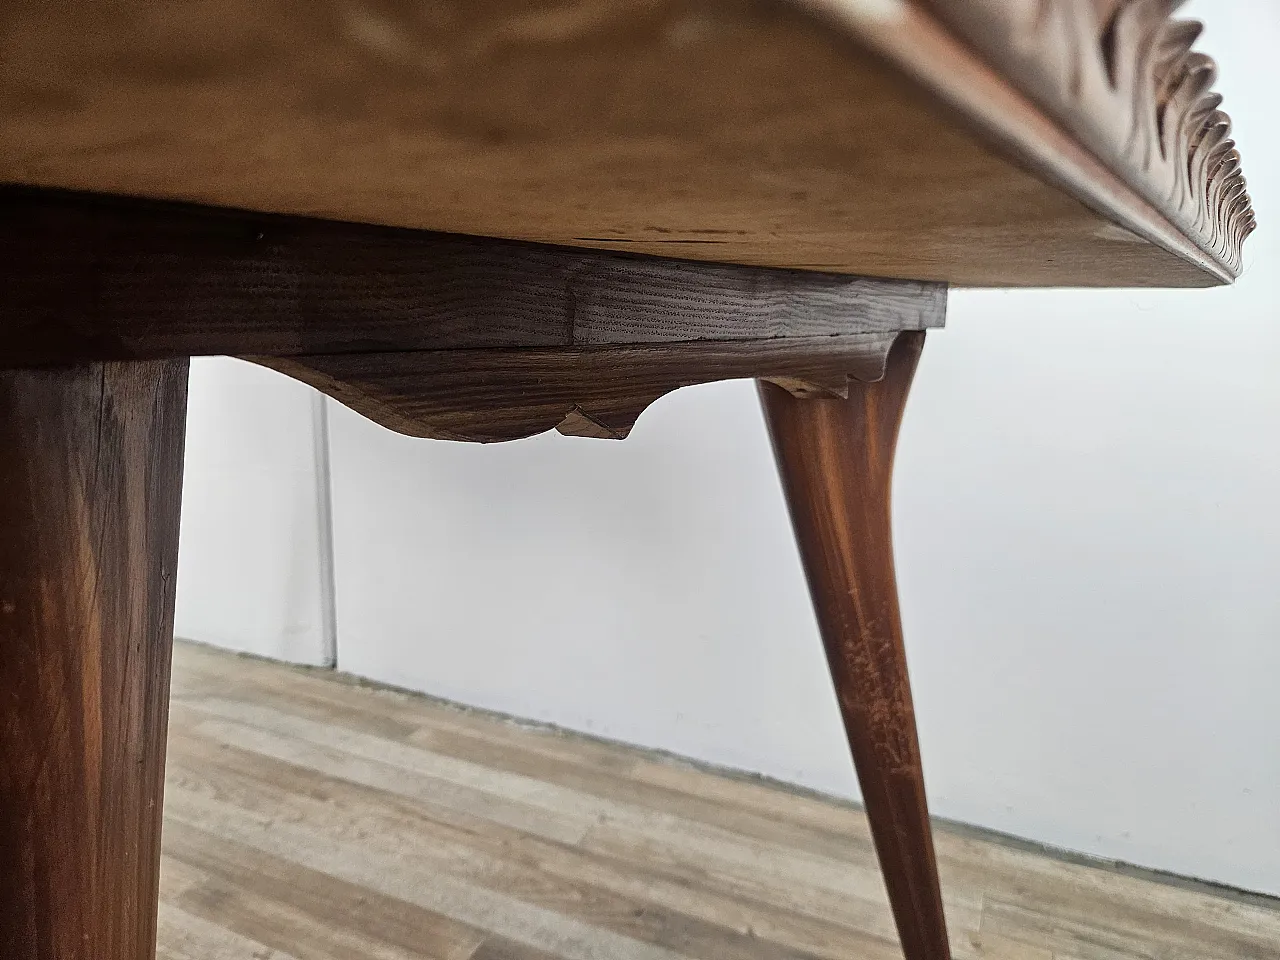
x=1123 y=77
x=591 y=391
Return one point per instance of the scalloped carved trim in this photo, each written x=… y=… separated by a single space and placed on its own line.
x=1122 y=76
x=504 y=394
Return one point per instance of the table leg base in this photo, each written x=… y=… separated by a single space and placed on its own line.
x=835 y=457
x=90 y=486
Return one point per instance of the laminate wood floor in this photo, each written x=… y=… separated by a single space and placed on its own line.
x=312 y=818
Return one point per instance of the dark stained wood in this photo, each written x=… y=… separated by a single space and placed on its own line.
x=835 y=457
x=92 y=278
x=90 y=483
x=855 y=136
x=593 y=391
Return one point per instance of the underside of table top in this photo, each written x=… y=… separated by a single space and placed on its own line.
x=483 y=219
x=977 y=142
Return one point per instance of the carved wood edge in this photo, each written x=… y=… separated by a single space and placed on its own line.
x=1121 y=78
x=589 y=391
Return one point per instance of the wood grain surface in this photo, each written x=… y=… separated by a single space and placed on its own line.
x=90 y=483
x=311 y=818
x=593 y=391
x=431 y=335
x=836 y=135
x=85 y=278
x=835 y=457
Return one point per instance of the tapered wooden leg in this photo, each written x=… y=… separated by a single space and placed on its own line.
x=836 y=461
x=90 y=483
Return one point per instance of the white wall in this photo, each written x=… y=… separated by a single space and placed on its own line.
x=250 y=564
x=1088 y=535
x=647 y=590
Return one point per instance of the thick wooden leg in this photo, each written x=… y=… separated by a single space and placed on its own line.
x=90 y=483
x=836 y=461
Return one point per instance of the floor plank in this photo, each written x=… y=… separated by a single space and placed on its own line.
x=309 y=817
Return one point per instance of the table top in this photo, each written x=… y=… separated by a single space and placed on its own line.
x=978 y=142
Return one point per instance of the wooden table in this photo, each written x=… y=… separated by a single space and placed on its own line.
x=484 y=220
